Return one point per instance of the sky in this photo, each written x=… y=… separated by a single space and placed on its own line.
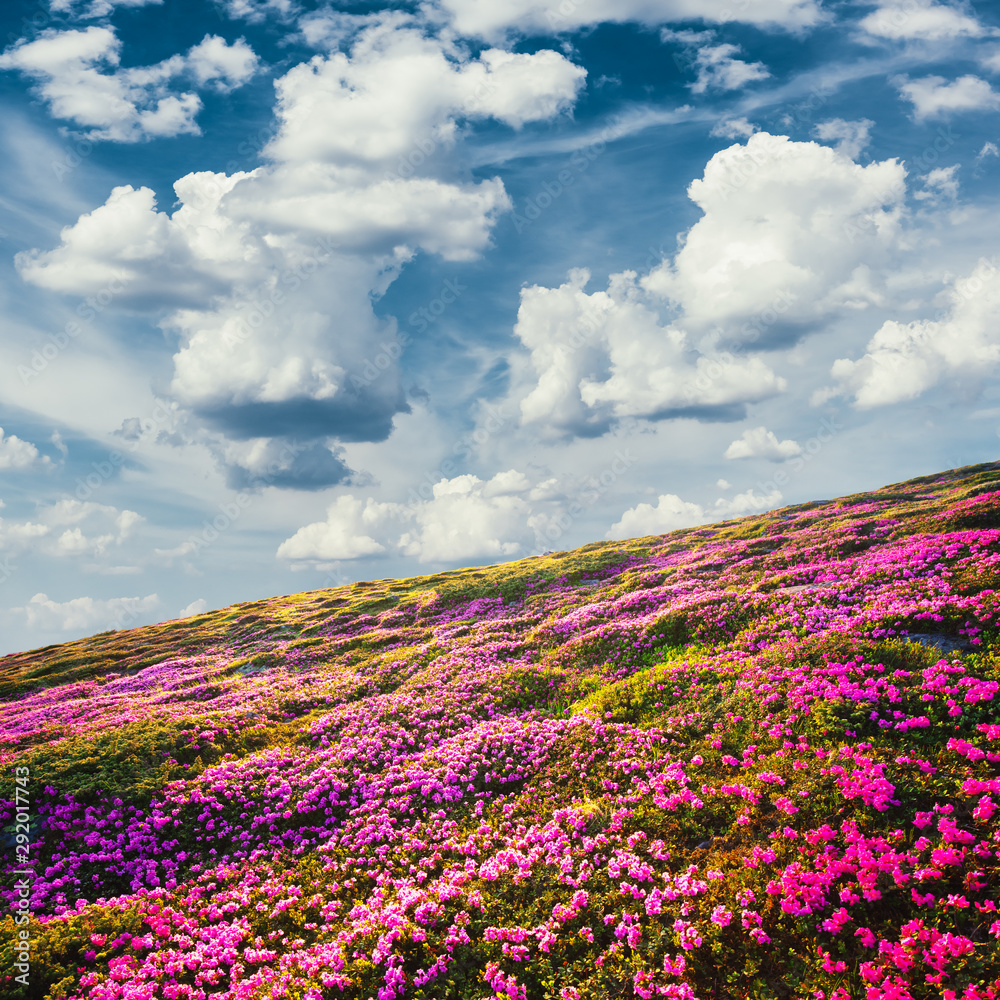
x=300 y=293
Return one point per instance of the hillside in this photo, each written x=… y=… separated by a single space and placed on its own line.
x=756 y=759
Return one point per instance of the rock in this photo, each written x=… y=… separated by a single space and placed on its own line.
x=946 y=643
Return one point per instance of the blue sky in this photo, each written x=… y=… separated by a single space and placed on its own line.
x=300 y=293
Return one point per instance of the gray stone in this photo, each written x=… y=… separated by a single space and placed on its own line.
x=945 y=643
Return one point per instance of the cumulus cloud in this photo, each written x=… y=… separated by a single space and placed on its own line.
x=303 y=465
x=95 y=8
x=671 y=513
x=258 y=11
x=921 y=19
x=988 y=152
x=719 y=69
x=114 y=526
x=468 y=518
x=716 y=66
x=734 y=128
x=83 y=613
x=789 y=235
x=399 y=92
x=850 y=137
x=194 y=608
x=214 y=62
x=18 y=454
x=77 y=73
x=940 y=184
x=491 y=20
x=345 y=534
x=70 y=528
x=605 y=356
x=759 y=442
x=903 y=360
x=464 y=518
x=936 y=97
x=267 y=277
x=15 y=536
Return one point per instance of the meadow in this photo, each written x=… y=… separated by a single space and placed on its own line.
x=758 y=759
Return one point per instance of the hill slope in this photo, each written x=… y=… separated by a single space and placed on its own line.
x=758 y=759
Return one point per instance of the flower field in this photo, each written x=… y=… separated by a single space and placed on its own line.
x=757 y=759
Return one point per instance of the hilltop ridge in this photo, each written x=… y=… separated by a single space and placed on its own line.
x=751 y=759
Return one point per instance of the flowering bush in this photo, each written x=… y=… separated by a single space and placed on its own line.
x=757 y=759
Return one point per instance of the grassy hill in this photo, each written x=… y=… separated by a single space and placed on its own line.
x=757 y=759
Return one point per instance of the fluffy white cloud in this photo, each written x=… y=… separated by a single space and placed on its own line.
x=267 y=277
x=789 y=235
x=671 y=513
x=759 y=442
x=464 y=518
x=214 y=62
x=360 y=214
x=989 y=151
x=18 y=454
x=135 y=254
x=903 y=360
x=469 y=518
x=936 y=97
x=602 y=357
x=345 y=534
x=489 y=19
x=16 y=536
x=257 y=11
x=851 y=137
x=72 y=541
x=95 y=8
x=921 y=19
x=734 y=128
x=76 y=74
x=748 y=502
x=194 y=608
x=396 y=99
x=940 y=183
x=719 y=69
x=106 y=525
x=84 y=612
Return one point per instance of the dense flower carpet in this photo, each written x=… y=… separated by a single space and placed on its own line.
x=757 y=759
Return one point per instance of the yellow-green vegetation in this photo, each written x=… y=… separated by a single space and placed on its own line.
x=756 y=759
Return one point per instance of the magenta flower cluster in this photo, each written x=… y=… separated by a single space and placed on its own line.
x=728 y=762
